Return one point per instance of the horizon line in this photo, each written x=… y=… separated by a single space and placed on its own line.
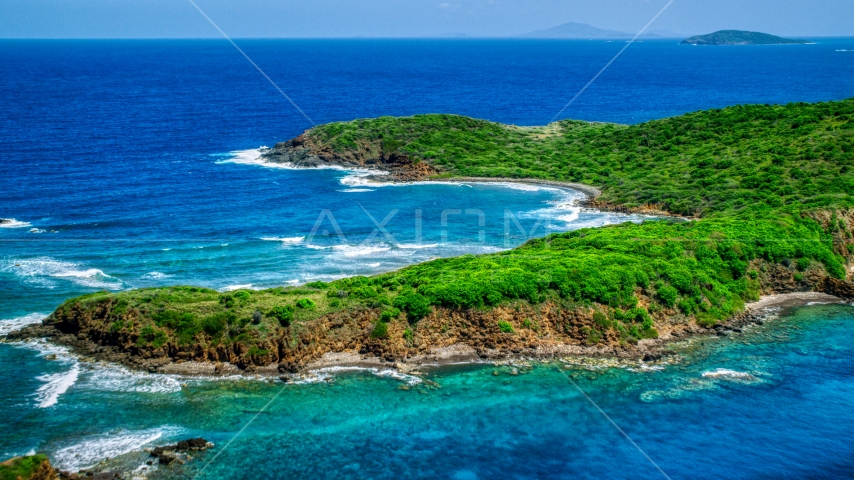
x=366 y=37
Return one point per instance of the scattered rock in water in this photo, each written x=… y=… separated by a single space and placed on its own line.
x=176 y=454
x=107 y=476
x=51 y=356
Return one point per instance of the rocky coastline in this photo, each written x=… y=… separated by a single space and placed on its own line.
x=485 y=349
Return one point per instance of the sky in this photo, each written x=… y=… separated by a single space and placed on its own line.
x=410 y=18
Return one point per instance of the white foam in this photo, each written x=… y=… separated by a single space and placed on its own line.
x=359 y=177
x=529 y=187
x=417 y=246
x=356 y=190
x=360 y=250
x=403 y=377
x=37 y=230
x=13 y=324
x=726 y=373
x=288 y=240
x=327 y=374
x=253 y=157
x=55 y=385
x=12 y=223
x=92 y=450
x=155 y=275
x=231 y=288
x=41 y=271
x=116 y=378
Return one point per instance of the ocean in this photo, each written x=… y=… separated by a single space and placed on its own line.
x=133 y=163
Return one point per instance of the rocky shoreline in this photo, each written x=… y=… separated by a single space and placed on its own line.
x=438 y=357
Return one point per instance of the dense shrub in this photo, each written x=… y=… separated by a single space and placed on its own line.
x=284 y=314
x=150 y=336
x=505 y=326
x=389 y=315
x=415 y=305
x=667 y=295
x=306 y=303
x=380 y=330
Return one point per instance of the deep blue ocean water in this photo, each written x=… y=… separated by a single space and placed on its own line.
x=125 y=163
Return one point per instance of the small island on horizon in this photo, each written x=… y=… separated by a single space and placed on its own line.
x=739 y=37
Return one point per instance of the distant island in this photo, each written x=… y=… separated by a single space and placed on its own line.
x=574 y=30
x=739 y=37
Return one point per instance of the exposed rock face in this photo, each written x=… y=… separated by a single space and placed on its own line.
x=539 y=330
x=303 y=151
x=839 y=288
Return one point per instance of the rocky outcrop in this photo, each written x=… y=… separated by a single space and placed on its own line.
x=177 y=453
x=839 y=288
x=304 y=151
x=537 y=330
x=33 y=467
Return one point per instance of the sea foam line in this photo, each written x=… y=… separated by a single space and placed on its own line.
x=42 y=271
x=55 y=385
x=328 y=374
x=288 y=240
x=92 y=450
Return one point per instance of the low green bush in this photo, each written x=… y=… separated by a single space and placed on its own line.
x=284 y=314
x=380 y=330
x=389 y=315
x=415 y=305
x=306 y=303
x=505 y=326
x=21 y=467
x=151 y=336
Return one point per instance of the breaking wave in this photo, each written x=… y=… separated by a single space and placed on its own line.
x=12 y=223
x=55 y=385
x=12 y=324
x=92 y=450
x=44 y=271
x=288 y=240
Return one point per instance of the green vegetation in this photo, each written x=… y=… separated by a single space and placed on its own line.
x=21 y=467
x=766 y=185
x=738 y=37
x=505 y=326
x=380 y=330
x=306 y=303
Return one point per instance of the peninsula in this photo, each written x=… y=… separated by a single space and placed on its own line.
x=768 y=189
x=739 y=37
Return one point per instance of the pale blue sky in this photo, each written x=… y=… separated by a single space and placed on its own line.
x=410 y=18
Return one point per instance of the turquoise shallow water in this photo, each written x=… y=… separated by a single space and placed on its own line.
x=773 y=402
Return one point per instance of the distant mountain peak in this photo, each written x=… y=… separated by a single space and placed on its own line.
x=584 y=31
